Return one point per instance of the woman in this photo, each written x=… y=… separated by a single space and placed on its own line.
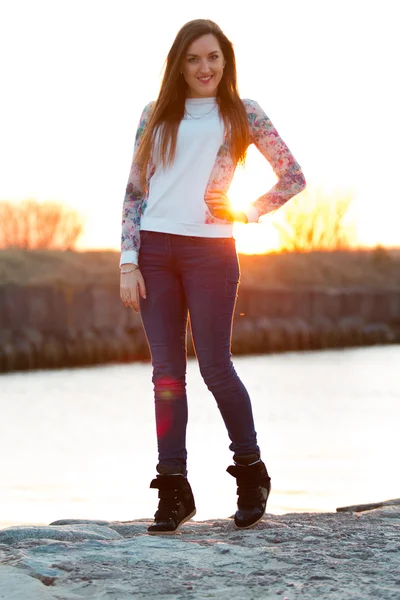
x=179 y=257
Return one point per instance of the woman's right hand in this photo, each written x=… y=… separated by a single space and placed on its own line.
x=130 y=284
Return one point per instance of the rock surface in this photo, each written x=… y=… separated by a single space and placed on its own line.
x=74 y=324
x=340 y=556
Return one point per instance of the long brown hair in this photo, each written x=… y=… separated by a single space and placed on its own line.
x=169 y=107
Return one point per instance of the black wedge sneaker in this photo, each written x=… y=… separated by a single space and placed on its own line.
x=254 y=486
x=176 y=504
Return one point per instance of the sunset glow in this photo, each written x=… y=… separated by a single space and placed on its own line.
x=77 y=79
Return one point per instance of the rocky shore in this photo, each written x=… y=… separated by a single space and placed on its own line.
x=63 y=309
x=43 y=327
x=353 y=554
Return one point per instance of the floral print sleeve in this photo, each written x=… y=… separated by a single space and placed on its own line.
x=291 y=180
x=133 y=201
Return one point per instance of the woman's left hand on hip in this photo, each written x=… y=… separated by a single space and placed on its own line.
x=221 y=208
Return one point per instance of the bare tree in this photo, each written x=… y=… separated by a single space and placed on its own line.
x=316 y=220
x=32 y=225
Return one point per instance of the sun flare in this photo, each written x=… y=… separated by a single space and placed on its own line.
x=249 y=183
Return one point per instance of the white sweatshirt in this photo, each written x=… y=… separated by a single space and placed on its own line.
x=175 y=202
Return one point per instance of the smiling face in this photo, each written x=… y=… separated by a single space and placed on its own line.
x=203 y=67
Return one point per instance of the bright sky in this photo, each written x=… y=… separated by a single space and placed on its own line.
x=76 y=74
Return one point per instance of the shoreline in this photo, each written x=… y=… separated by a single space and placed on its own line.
x=7 y=524
x=47 y=327
x=61 y=309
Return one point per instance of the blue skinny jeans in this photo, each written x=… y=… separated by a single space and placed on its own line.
x=199 y=277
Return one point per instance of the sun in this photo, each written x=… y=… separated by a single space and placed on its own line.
x=256 y=238
x=248 y=184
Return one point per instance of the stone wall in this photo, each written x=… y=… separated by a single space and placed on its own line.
x=44 y=327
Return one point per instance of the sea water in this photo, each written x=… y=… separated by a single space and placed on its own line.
x=80 y=443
